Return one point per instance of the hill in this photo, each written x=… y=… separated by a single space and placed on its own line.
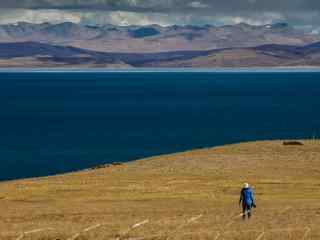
x=190 y=195
x=155 y=38
x=34 y=54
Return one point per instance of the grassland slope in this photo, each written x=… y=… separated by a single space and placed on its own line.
x=189 y=195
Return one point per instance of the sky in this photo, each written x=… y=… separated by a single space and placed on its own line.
x=299 y=13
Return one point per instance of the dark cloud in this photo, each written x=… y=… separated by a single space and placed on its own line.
x=297 y=12
x=165 y=5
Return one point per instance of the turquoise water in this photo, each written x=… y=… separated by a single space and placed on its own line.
x=57 y=122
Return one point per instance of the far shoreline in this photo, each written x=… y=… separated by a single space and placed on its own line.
x=302 y=69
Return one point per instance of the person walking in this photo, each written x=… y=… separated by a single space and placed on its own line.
x=246 y=198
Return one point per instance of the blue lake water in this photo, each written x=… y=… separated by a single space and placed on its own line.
x=58 y=122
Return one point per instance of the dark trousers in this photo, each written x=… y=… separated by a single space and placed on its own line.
x=246 y=210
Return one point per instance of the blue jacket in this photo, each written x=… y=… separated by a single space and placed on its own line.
x=246 y=197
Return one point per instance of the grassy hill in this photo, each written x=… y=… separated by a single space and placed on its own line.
x=42 y=55
x=190 y=195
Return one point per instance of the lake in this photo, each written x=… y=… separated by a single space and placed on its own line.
x=55 y=122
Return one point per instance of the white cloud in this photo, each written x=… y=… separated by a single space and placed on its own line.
x=122 y=18
x=197 y=4
x=38 y=16
x=254 y=19
x=129 y=18
x=305 y=20
x=135 y=18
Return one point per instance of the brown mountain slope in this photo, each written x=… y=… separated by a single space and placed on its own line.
x=154 y=38
x=33 y=54
x=190 y=195
x=227 y=58
x=261 y=56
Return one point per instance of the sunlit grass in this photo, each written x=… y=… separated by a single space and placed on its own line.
x=190 y=195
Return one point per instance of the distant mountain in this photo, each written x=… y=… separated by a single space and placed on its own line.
x=154 y=38
x=31 y=49
x=33 y=54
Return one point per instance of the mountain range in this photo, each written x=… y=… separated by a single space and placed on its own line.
x=74 y=45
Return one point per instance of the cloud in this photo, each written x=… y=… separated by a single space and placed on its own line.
x=197 y=4
x=253 y=19
x=38 y=16
x=124 y=18
x=163 y=12
x=164 y=5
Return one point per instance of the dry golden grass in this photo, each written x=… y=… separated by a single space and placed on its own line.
x=190 y=195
